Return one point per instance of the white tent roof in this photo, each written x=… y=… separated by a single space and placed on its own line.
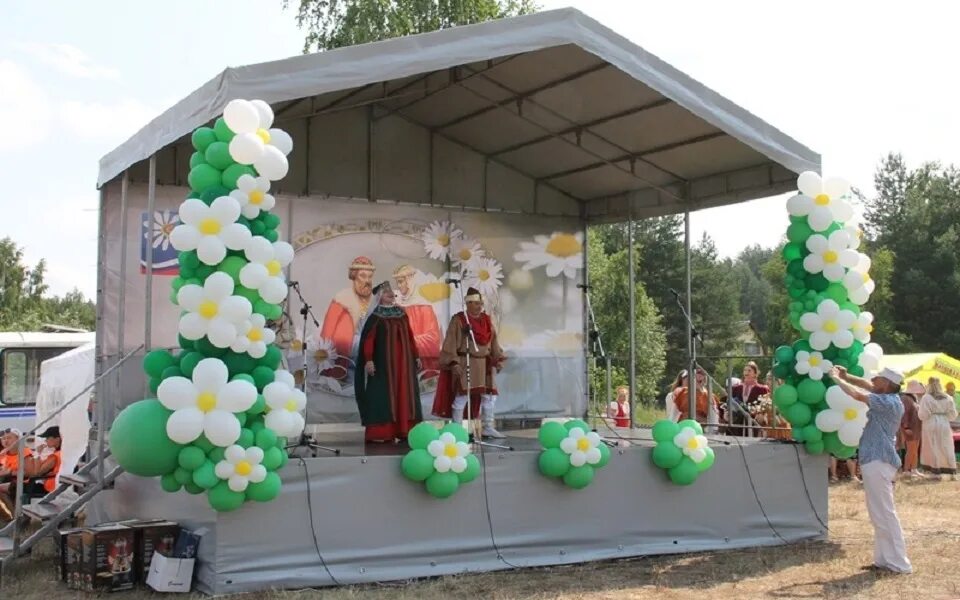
x=554 y=97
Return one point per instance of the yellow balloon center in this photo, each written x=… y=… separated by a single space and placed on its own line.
x=564 y=245
x=443 y=239
x=208 y=309
x=450 y=451
x=206 y=401
x=256 y=197
x=866 y=278
x=264 y=135
x=822 y=200
x=291 y=405
x=830 y=256
x=831 y=327
x=814 y=361
x=869 y=328
x=692 y=443
x=583 y=444
x=209 y=227
x=255 y=334
x=274 y=268
x=850 y=414
x=243 y=468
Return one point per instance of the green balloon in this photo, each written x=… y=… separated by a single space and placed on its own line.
x=284 y=459
x=197 y=159
x=784 y=354
x=257 y=409
x=266 y=490
x=242 y=417
x=239 y=364
x=223 y=499
x=857 y=370
x=216 y=455
x=214 y=192
x=272 y=358
x=811 y=391
x=684 y=473
x=579 y=477
x=459 y=433
x=784 y=396
x=272 y=459
x=666 y=455
x=157 y=361
x=243 y=377
x=233 y=173
x=551 y=434
x=169 y=372
x=269 y=311
x=191 y=457
x=604 y=456
x=817 y=282
x=270 y=220
x=791 y=251
x=222 y=132
x=442 y=485
x=183 y=476
x=188 y=260
x=202 y=137
x=203 y=443
x=417 y=465
x=795 y=293
x=472 y=470
x=798 y=414
x=802 y=346
x=193 y=488
x=553 y=462
x=782 y=370
x=139 y=442
x=169 y=483
x=845 y=452
x=247 y=293
x=203 y=346
x=799 y=232
x=691 y=424
x=814 y=447
x=232 y=266
x=665 y=430
x=263 y=377
x=205 y=476
x=257 y=228
x=850 y=306
x=265 y=438
x=271 y=236
x=218 y=156
x=836 y=292
x=797 y=434
x=202 y=177
x=812 y=434
x=831 y=442
x=577 y=423
x=188 y=362
x=421 y=435
x=707 y=462
x=246 y=438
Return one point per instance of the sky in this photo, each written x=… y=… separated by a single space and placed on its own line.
x=852 y=80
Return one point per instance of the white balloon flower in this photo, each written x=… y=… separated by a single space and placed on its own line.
x=812 y=364
x=255 y=143
x=859 y=286
x=239 y=467
x=251 y=194
x=821 y=201
x=284 y=405
x=829 y=325
x=212 y=310
x=264 y=272
x=205 y=403
x=870 y=358
x=582 y=447
x=448 y=454
x=210 y=230
x=846 y=416
x=692 y=443
x=253 y=337
x=863 y=327
x=831 y=256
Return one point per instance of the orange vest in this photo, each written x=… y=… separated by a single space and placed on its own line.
x=51 y=477
x=10 y=461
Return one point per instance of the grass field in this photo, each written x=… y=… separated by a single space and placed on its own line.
x=930 y=513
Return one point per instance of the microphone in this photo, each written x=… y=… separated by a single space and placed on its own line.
x=583 y=286
x=675 y=293
x=452 y=280
x=293 y=283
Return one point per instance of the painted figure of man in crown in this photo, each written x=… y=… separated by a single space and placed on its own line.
x=480 y=355
x=349 y=307
x=386 y=386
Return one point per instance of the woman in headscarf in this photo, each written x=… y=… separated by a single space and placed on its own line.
x=937 y=409
x=911 y=429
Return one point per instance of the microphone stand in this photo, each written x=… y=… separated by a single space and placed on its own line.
x=692 y=369
x=306 y=441
x=477 y=437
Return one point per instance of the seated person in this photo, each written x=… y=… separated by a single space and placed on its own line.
x=8 y=454
x=42 y=467
x=746 y=394
x=706 y=402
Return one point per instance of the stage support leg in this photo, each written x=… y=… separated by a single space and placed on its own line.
x=632 y=293
x=691 y=342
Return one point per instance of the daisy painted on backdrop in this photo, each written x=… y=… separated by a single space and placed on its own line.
x=438 y=236
x=558 y=253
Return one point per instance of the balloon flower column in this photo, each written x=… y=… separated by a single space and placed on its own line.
x=222 y=408
x=828 y=282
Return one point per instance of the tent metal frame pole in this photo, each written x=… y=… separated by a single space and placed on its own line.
x=99 y=341
x=632 y=294
x=151 y=206
x=371 y=163
x=691 y=342
x=585 y=316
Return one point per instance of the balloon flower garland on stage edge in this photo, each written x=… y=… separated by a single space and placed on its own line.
x=828 y=282
x=571 y=452
x=222 y=408
x=441 y=459
x=682 y=450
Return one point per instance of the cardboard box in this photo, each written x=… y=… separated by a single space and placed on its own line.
x=73 y=556
x=107 y=561
x=64 y=558
x=187 y=544
x=170 y=574
x=151 y=536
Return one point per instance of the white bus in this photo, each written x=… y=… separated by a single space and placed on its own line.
x=20 y=356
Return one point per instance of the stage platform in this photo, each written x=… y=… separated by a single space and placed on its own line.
x=353 y=518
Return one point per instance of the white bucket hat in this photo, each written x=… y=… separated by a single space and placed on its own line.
x=894 y=377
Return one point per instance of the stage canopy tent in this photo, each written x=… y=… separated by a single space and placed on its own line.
x=546 y=114
x=924 y=365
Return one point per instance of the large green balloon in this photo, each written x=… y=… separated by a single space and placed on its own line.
x=221 y=131
x=782 y=370
x=232 y=266
x=205 y=476
x=417 y=465
x=156 y=361
x=443 y=485
x=814 y=447
x=216 y=455
x=272 y=459
x=798 y=414
x=799 y=232
x=845 y=452
x=272 y=358
x=811 y=391
x=265 y=439
x=666 y=455
x=223 y=499
x=551 y=434
x=812 y=434
x=836 y=292
x=553 y=462
x=197 y=159
x=269 y=311
x=172 y=371
x=707 y=462
x=257 y=409
x=232 y=173
x=797 y=434
x=246 y=438
x=831 y=442
x=458 y=431
x=472 y=470
x=579 y=477
x=202 y=177
x=263 y=377
x=271 y=236
x=577 y=423
x=421 y=435
x=266 y=490
x=665 y=430
x=784 y=354
x=139 y=442
x=270 y=220
x=817 y=282
x=202 y=138
x=191 y=458
x=684 y=473
x=691 y=424
x=239 y=364
x=218 y=156
x=791 y=251
x=188 y=362
x=604 y=456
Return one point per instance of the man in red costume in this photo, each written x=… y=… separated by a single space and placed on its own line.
x=349 y=307
x=423 y=320
x=458 y=354
x=386 y=386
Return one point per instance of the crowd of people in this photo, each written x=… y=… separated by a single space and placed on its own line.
x=40 y=468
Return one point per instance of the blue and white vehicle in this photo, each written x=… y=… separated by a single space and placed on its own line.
x=21 y=354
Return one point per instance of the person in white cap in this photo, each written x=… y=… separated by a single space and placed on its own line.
x=879 y=462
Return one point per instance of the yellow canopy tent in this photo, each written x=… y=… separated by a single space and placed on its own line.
x=924 y=366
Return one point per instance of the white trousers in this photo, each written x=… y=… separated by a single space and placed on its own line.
x=889 y=549
x=488 y=401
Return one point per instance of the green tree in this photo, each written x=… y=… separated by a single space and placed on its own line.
x=333 y=24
